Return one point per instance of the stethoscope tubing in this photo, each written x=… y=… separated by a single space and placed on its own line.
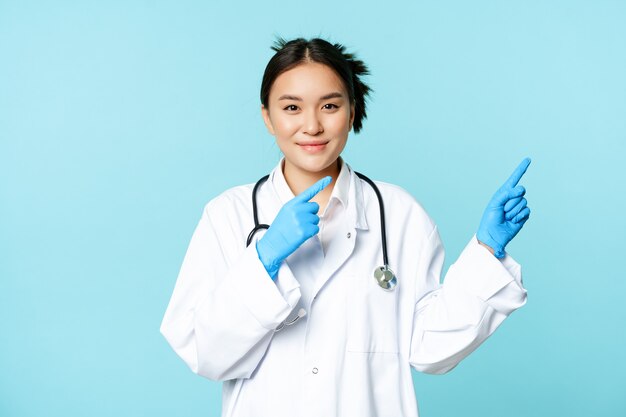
x=383 y=274
x=383 y=228
x=255 y=212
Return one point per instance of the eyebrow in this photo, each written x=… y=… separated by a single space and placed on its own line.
x=296 y=98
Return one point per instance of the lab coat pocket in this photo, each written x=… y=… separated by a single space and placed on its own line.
x=372 y=317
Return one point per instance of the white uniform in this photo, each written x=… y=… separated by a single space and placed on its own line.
x=351 y=355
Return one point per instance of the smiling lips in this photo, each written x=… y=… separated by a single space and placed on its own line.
x=313 y=147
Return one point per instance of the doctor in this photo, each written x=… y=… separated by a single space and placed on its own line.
x=295 y=324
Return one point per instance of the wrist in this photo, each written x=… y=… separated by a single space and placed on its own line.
x=271 y=265
x=489 y=248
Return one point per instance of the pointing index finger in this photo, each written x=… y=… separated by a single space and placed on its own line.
x=517 y=174
x=313 y=190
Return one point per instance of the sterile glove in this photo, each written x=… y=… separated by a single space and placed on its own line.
x=296 y=222
x=505 y=214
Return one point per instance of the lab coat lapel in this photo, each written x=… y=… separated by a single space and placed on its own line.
x=344 y=245
x=335 y=258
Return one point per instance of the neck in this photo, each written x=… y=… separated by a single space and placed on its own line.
x=299 y=180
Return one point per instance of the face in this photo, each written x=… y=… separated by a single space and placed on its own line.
x=310 y=114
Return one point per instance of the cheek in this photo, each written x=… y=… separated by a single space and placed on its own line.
x=285 y=125
x=341 y=122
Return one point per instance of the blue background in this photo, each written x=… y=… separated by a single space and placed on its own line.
x=119 y=120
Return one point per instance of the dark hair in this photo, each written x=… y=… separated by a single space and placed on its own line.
x=297 y=51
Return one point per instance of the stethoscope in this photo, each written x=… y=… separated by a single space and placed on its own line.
x=385 y=277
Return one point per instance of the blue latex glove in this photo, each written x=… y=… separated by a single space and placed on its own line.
x=505 y=214
x=296 y=222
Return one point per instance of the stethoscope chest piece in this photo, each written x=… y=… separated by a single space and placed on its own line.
x=386 y=278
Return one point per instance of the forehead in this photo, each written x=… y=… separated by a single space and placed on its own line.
x=309 y=80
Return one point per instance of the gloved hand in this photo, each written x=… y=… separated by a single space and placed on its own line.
x=505 y=214
x=296 y=222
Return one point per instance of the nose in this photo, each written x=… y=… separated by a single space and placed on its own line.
x=312 y=124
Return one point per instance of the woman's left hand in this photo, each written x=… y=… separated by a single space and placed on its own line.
x=505 y=214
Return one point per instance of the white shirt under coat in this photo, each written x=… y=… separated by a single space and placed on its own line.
x=352 y=353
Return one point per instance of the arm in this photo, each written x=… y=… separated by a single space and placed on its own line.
x=224 y=308
x=480 y=290
x=453 y=319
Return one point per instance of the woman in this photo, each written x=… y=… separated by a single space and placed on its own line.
x=295 y=323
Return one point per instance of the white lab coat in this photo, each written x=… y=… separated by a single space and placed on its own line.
x=351 y=355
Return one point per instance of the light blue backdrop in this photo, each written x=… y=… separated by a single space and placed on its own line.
x=119 y=120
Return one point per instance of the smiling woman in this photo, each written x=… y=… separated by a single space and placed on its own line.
x=295 y=324
x=311 y=96
x=311 y=129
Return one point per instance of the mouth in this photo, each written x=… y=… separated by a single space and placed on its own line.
x=313 y=147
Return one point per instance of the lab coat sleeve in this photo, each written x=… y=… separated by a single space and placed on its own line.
x=224 y=308
x=452 y=320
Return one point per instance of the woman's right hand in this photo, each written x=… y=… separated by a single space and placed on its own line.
x=296 y=222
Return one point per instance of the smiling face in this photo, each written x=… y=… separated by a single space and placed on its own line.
x=310 y=114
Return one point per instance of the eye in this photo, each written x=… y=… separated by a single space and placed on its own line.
x=291 y=107
x=330 y=106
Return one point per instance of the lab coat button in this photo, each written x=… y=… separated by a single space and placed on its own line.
x=314 y=370
x=349 y=235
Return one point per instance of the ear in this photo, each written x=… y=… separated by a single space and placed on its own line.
x=266 y=119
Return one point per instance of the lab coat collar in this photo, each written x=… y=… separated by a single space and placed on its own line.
x=348 y=190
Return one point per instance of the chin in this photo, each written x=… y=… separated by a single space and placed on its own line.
x=321 y=166
x=313 y=165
